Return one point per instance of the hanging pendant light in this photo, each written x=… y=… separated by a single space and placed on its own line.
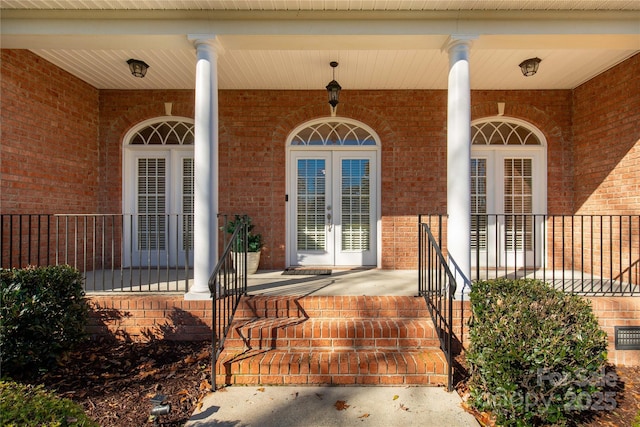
x=333 y=89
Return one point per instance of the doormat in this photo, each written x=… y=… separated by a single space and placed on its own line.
x=306 y=271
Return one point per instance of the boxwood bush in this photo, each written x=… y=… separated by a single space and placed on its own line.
x=43 y=312
x=26 y=405
x=536 y=355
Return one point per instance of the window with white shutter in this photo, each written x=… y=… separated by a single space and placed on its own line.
x=508 y=187
x=158 y=191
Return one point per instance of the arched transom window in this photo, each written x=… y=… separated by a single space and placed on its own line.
x=503 y=133
x=169 y=132
x=333 y=133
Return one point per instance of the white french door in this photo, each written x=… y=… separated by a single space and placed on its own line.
x=507 y=189
x=159 y=230
x=332 y=207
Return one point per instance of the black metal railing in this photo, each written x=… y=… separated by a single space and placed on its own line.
x=115 y=252
x=591 y=255
x=437 y=285
x=227 y=284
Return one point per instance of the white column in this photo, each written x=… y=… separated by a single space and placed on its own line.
x=205 y=228
x=459 y=162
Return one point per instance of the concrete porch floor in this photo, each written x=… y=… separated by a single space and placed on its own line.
x=368 y=282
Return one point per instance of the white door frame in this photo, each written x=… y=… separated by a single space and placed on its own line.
x=173 y=154
x=290 y=247
x=495 y=155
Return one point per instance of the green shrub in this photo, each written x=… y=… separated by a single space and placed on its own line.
x=25 y=405
x=536 y=355
x=43 y=313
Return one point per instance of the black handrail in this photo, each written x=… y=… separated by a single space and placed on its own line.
x=438 y=286
x=227 y=284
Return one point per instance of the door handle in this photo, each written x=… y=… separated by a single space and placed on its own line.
x=329 y=220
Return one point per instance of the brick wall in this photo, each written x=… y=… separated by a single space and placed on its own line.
x=411 y=125
x=49 y=147
x=143 y=317
x=618 y=311
x=606 y=141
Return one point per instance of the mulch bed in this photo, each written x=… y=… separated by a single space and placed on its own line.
x=114 y=381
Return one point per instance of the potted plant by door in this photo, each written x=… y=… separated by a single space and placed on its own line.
x=254 y=243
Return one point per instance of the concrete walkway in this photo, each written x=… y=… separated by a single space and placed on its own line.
x=311 y=406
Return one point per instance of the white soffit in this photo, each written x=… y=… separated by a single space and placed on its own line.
x=275 y=53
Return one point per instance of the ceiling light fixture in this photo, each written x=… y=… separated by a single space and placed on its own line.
x=530 y=66
x=333 y=89
x=138 y=68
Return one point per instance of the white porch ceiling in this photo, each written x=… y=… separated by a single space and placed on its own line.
x=288 y=44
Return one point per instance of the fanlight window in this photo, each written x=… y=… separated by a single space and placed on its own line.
x=164 y=133
x=332 y=134
x=502 y=133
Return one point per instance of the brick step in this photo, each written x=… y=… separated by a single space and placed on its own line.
x=348 y=307
x=368 y=367
x=331 y=334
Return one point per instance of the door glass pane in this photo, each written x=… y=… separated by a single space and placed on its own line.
x=518 y=203
x=187 y=203
x=356 y=204
x=311 y=195
x=151 y=204
x=479 y=204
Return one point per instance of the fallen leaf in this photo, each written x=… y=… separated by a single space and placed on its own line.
x=341 y=405
x=364 y=416
x=204 y=385
x=319 y=396
x=261 y=389
x=404 y=408
x=395 y=397
x=147 y=374
x=190 y=359
x=184 y=391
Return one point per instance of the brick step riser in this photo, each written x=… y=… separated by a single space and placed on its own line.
x=331 y=344
x=246 y=314
x=344 y=380
x=332 y=333
x=385 y=368
x=332 y=307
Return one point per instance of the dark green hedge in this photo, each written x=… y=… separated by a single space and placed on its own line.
x=26 y=405
x=43 y=313
x=536 y=355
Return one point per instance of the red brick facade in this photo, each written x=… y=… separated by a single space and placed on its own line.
x=49 y=152
x=171 y=317
x=606 y=141
x=62 y=146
